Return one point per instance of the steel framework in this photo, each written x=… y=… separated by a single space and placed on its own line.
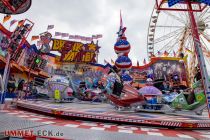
x=162 y=5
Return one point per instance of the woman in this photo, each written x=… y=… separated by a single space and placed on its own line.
x=118 y=85
x=20 y=89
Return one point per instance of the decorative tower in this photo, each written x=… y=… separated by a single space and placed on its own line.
x=122 y=48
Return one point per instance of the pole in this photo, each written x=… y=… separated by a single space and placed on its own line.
x=199 y=53
x=29 y=75
x=5 y=77
x=29 y=72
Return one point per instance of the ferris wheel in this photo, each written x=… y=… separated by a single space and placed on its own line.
x=170 y=34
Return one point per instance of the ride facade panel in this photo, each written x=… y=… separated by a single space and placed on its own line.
x=22 y=61
x=162 y=69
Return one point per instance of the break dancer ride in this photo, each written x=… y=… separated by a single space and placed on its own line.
x=124 y=96
x=120 y=96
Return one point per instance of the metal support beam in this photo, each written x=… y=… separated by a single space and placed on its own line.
x=200 y=57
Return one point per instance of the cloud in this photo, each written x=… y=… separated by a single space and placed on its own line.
x=84 y=17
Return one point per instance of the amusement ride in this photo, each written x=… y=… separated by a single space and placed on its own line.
x=174 y=82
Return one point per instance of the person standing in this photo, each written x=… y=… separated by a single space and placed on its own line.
x=20 y=89
x=11 y=84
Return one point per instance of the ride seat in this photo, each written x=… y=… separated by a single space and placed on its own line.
x=193 y=106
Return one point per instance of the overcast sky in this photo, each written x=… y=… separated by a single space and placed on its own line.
x=88 y=17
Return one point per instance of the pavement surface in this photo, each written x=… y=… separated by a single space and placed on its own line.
x=106 y=112
x=42 y=125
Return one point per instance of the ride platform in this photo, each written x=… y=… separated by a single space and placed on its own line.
x=106 y=113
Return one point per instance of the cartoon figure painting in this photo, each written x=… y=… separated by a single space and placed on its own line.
x=45 y=39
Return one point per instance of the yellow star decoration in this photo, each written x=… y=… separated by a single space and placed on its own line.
x=92 y=47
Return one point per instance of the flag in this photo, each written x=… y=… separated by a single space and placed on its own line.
x=34 y=38
x=106 y=70
x=188 y=50
x=49 y=27
x=89 y=39
x=23 y=46
x=64 y=34
x=58 y=33
x=166 y=53
x=13 y=22
x=174 y=53
x=121 y=32
x=77 y=37
x=27 y=25
x=137 y=63
x=207 y=2
x=99 y=36
x=112 y=62
x=105 y=61
x=94 y=36
x=71 y=37
x=173 y=2
x=159 y=53
x=83 y=38
x=39 y=43
x=80 y=37
x=121 y=22
x=151 y=54
x=6 y=18
x=21 y=22
x=144 y=62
